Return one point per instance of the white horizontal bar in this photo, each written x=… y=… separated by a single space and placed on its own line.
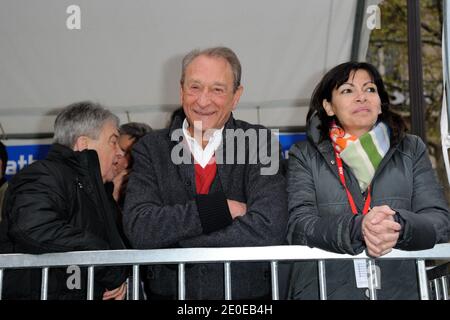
x=202 y=255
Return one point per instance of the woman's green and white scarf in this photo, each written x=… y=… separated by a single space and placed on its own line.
x=364 y=154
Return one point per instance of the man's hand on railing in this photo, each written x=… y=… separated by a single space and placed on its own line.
x=236 y=208
x=116 y=294
x=380 y=231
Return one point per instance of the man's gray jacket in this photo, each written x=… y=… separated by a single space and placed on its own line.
x=162 y=210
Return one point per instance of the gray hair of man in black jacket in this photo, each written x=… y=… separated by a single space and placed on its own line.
x=81 y=119
x=87 y=125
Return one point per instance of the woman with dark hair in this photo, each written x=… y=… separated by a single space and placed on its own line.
x=359 y=183
x=129 y=134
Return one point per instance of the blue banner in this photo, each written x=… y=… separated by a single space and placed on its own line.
x=288 y=139
x=21 y=156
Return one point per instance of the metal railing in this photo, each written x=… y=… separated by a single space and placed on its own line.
x=438 y=280
x=227 y=256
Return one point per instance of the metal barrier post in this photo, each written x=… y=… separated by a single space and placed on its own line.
x=423 y=282
x=275 y=286
x=135 y=282
x=437 y=289
x=181 y=282
x=90 y=284
x=44 y=284
x=372 y=279
x=444 y=287
x=1 y=283
x=322 y=280
x=227 y=269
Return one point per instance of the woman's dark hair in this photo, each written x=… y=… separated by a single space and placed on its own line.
x=136 y=130
x=333 y=79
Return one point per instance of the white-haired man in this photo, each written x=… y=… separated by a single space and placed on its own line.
x=59 y=204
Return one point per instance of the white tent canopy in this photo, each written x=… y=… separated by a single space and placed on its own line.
x=127 y=55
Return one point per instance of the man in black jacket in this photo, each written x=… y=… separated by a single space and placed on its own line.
x=205 y=182
x=59 y=204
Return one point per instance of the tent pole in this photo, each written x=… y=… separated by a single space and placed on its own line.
x=417 y=103
x=359 y=20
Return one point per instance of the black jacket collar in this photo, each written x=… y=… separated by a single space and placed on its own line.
x=84 y=162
